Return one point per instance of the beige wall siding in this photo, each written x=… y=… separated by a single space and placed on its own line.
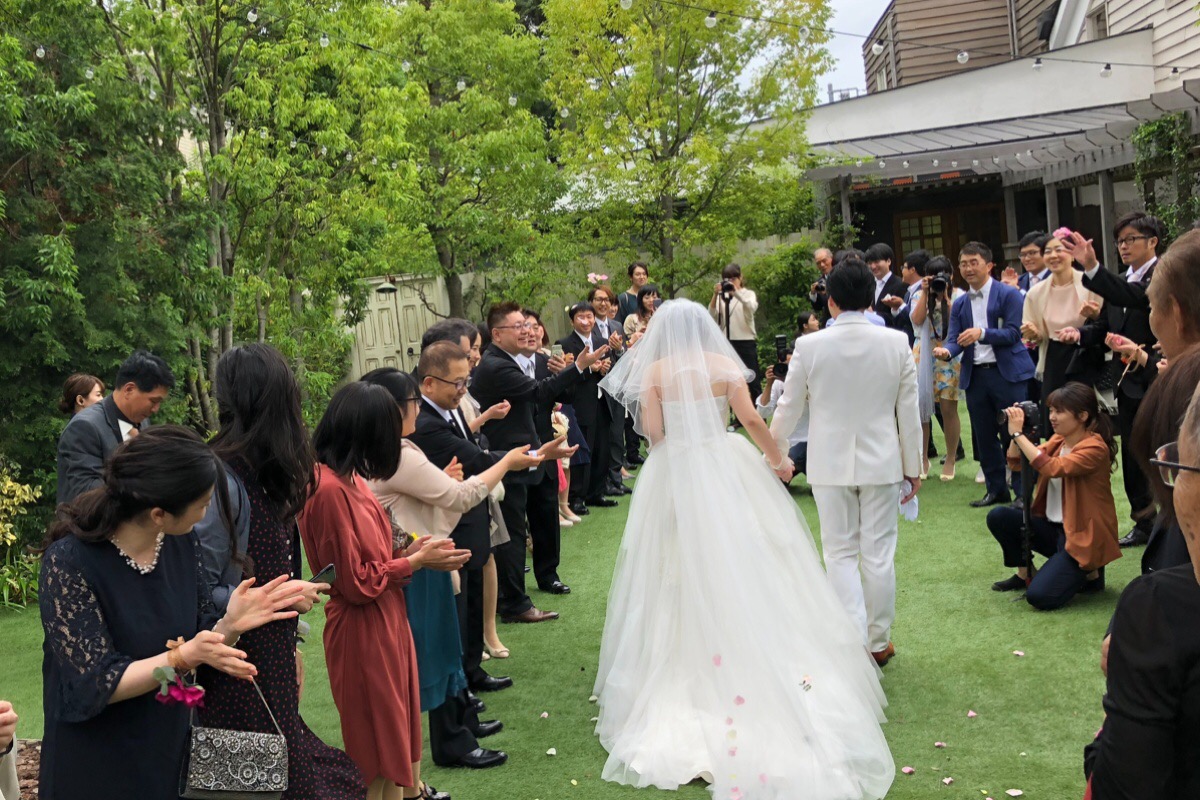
x=874 y=63
x=978 y=26
x=1176 y=32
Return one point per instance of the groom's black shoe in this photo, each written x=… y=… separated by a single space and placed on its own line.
x=579 y=508
x=991 y=499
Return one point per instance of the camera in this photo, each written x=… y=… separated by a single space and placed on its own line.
x=781 y=354
x=727 y=287
x=1032 y=419
x=939 y=280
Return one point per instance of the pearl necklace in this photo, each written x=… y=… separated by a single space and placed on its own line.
x=143 y=569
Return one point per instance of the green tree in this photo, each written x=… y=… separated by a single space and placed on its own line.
x=675 y=126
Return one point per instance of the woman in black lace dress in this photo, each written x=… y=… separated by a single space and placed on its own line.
x=120 y=578
x=251 y=529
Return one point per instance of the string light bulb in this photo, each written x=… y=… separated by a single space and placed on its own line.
x=974 y=162
x=963 y=56
x=877 y=48
x=252 y=14
x=292 y=144
x=1106 y=71
x=262 y=134
x=564 y=112
x=153 y=95
x=902 y=163
x=324 y=40
x=512 y=100
x=262 y=31
x=936 y=162
x=1037 y=65
x=324 y=150
x=405 y=66
x=711 y=20
x=626 y=4
x=1174 y=72
x=89 y=73
x=40 y=52
x=461 y=85
x=608 y=123
x=882 y=164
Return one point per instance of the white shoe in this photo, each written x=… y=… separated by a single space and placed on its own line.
x=980 y=477
x=565 y=523
x=569 y=516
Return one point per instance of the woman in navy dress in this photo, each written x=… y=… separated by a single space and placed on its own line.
x=120 y=579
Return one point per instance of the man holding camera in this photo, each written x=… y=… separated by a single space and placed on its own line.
x=985 y=327
x=816 y=293
x=859 y=384
x=733 y=307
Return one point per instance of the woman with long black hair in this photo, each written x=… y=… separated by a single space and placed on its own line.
x=251 y=529
x=121 y=577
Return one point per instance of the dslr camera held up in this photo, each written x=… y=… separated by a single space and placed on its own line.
x=780 y=367
x=939 y=281
x=727 y=288
x=1033 y=419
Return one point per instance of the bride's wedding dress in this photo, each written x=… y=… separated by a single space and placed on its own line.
x=726 y=655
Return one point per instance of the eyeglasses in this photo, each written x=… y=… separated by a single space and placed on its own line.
x=1030 y=254
x=1129 y=240
x=1166 y=458
x=458 y=385
x=521 y=326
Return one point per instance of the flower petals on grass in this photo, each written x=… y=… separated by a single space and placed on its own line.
x=907 y=770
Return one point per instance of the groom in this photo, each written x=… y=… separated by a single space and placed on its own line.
x=858 y=383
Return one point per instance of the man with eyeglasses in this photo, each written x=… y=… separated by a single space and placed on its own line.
x=1031 y=246
x=1126 y=319
x=511 y=369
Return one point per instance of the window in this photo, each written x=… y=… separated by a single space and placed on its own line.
x=921 y=232
x=881 y=81
x=1097 y=24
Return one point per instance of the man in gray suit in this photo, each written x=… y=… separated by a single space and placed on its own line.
x=143 y=382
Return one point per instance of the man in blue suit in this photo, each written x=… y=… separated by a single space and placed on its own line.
x=985 y=326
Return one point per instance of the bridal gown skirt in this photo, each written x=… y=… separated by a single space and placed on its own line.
x=726 y=655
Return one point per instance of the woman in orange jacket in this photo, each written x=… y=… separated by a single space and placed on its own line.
x=1073 y=516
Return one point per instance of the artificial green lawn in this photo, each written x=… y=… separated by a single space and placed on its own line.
x=954 y=638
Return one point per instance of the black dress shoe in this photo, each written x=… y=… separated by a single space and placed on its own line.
x=1010 y=585
x=1137 y=537
x=476 y=703
x=601 y=502
x=579 y=508
x=635 y=459
x=556 y=587
x=479 y=758
x=990 y=499
x=613 y=490
x=487 y=728
x=430 y=793
x=491 y=684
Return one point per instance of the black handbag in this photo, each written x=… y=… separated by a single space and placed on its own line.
x=224 y=764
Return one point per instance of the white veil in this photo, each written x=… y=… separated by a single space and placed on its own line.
x=681 y=357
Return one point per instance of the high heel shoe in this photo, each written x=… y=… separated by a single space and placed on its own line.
x=569 y=515
x=563 y=522
x=495 y=652
x=947 y=478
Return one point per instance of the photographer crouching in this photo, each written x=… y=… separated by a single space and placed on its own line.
x=1073 y=517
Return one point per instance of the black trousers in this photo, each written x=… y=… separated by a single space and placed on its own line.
x=452 y=728
x=1060 y=578
x=747 y=350
x=588 y=483
x=988 y=395
x=530 y=510
x=470 y=623
x=633 y=442
x=1137 y=485
x=616 y=445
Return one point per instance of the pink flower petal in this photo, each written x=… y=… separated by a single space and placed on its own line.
x=729 y=720
x=1018 y=653
x=1014 y=792
x=947 y=781
x=739 y=701
x=939 y=744
x=545 y=715
x=907 y=770
x=732 y=752
x=762 y=778
x=971 y=715
x=717 y=660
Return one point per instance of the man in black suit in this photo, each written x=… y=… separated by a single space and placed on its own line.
x=591 y=411
x=143 y=382
x=879 y=259
x=604 y=299
x=530 y=499
x=1126 y=315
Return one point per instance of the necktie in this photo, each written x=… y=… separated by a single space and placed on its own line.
x=453 y=420
x=529 y=369
x=977 y=295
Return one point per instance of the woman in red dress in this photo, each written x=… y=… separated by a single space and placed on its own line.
x=368 y=644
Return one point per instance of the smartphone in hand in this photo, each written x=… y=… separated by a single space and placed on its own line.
x=327 y=575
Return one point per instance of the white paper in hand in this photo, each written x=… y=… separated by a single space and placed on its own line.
x=911 y=509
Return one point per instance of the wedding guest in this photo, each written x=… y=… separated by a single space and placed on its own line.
x=250 y=528
x=1069 y=348
x=730 y=296
x=1031 y=250
x=766 y=404
x=1126 y=316
x=603 y=299
x=80 y=391
x=647 y=302
x=368 y=643
x=9 y=788
x=143 y=381
x=422 y=497
x=508 y=373
x=817 y=294
x=879 y=258
x=1073 y=516
x=1150 y=745
x=900 y=306
x=627 y=303
x=937 y=380
x=120 y=576
x=985 y=331
x=592 y=411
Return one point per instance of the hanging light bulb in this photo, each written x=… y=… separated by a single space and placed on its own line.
x=936 y=162
x=974 y=162
x=963 y=56
x=1037 y=65
x=954 y=165
x=902 y=163
x=262 y=134
x=394 y=166
x=608 y=124
x=803 y=31
x=262 y=31
x=711 y=20
x=374 y=161
x=1106 y=71
x=153 y=95
x=512 y=100
x=1174 y=72
x=405 y=66
x=40 y=52
x=252 y=14
x=292 y=144
x=324 y=40
x=626 y=4
x=324 y=150
x=89 y=73
x=564 y=112
x=877 y=48
x=461 y=85
x=882 y=164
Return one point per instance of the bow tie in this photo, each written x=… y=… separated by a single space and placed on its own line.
x=976 y=295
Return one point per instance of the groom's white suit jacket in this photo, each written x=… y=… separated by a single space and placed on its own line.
x=858 y=382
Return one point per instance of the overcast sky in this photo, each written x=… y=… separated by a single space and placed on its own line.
x=851 y=16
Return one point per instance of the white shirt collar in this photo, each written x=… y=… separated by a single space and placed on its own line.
x=986 y=290
x=125 y=428
x=1135 y=276
x=446 y=415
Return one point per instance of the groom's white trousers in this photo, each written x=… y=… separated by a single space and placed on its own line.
x=859 y=528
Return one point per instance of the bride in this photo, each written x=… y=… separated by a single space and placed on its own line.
x=726 y=655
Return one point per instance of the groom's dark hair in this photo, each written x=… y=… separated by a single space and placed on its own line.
x=851 y=285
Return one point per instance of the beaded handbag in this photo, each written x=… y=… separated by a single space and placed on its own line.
x=224 y=764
